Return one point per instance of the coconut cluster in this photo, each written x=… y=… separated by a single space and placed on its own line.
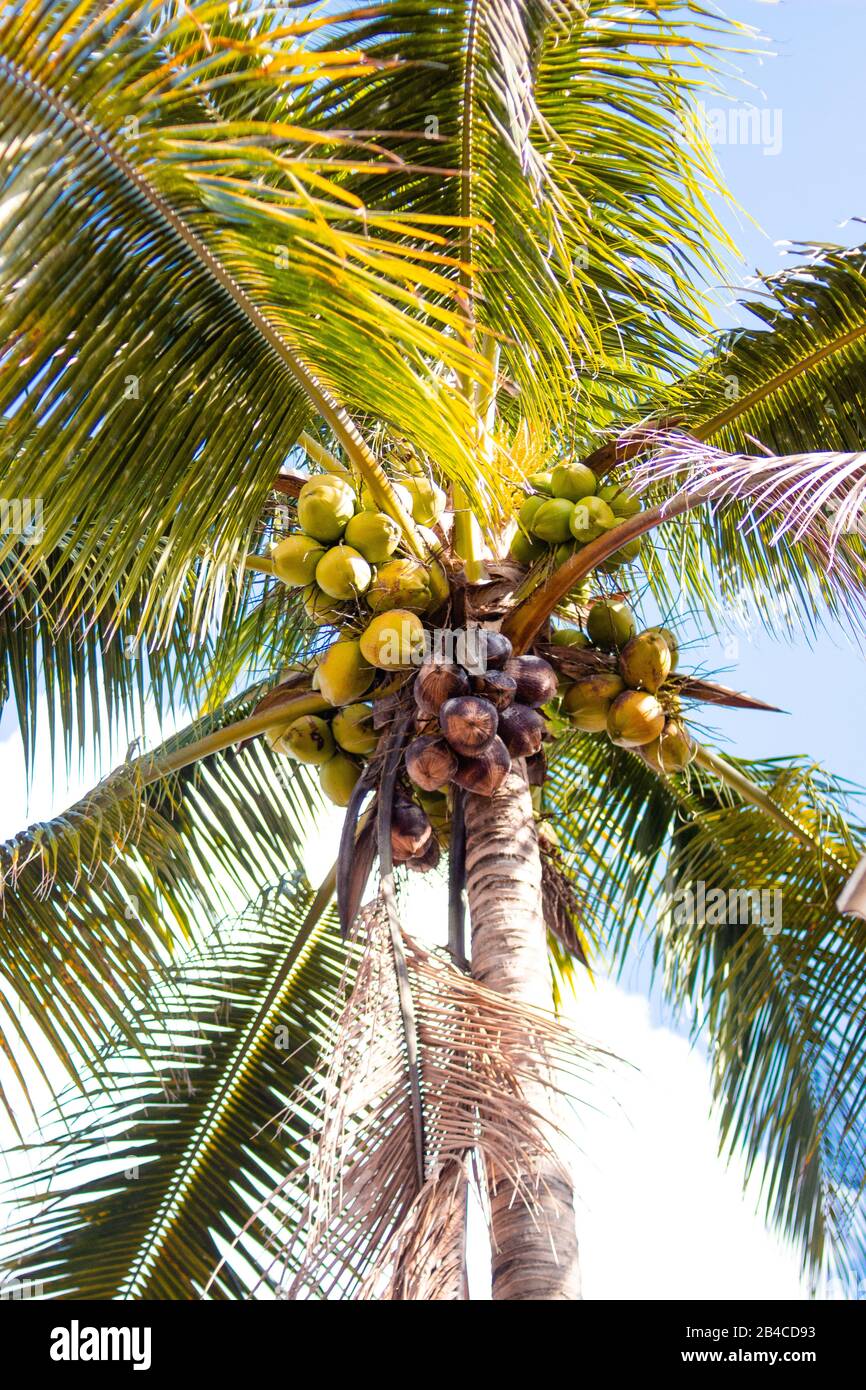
x=337 y=744
x=470 y=726
x=630 y=702
x=347 y=558
x=567 y=509
x=347 y=554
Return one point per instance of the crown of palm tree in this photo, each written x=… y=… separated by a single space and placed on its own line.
x=238 y=241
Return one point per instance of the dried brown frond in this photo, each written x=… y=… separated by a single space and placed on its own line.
x=367 y=1225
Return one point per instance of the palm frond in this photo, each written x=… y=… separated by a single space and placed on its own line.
x=797 y=383
x=779 y=1009
x=144 y=1177
x=160 y=361
x=559 y=119
x=787 y=531
x=98 y=898
x=353 y=1214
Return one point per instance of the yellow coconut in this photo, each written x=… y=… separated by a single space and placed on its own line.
x=541 y=482
x=400 y=584
x=673 y=750
x=621 y=502
x=671 y=642
x=374 y=535
x=610 y=624
x=552 y=521
x=524 y=551
x=344 y=674
x=307 y=740
x=528 y=511
x=587 y=703
x=325 y=507
x=394 y=640
x=645 y=662
x=590 y=518
x=634 y=718
x=352 y=727
x=572 y=481
x=295 y=559
x=321 y=609
x=343 y=573
x=402 y=493
x=337 y=778
x=428 y=500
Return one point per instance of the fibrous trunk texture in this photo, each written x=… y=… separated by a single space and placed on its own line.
x=535 y=1245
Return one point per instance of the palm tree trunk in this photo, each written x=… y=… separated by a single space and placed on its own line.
x=535 y=1252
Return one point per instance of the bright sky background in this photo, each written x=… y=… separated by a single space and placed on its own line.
x=658 y=1214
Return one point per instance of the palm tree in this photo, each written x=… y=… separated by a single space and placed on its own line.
x=243 y=244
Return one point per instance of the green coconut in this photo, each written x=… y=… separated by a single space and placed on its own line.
x=587 y=702
x=564 y=552
x=610 y=624
x=394 y=640
x=401 y=584
x=552 y=521
x=344 y=674
x=645 y=662
x=295 y=559
x=325 y=507
x=670 y=640
x=621 y=502
x=337 y=778
x=626 y=555
x=428 y=500
x=634 y=719
x=541 y=482
x=352 y=727
x=528 y=511
x=572 y=481
x=321 y=609
x=374 y=535
x=590 y=518
x=343 y=573
x=307 y=740
x=569 y=637
x=524 y=551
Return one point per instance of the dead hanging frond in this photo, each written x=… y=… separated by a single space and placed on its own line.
x=364 y=1223
x=817 y=499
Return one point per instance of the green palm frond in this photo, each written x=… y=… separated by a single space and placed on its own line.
x=780 y=1010
x=797 y=383
x=144 y=1178
x=154 y=333
x=794 y=385
x=92 y=678
x=96 y=900
x=96 y=678
x=560 y=118
x=782 y=1004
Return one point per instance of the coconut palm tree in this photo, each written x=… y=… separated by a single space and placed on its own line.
x=244 y=246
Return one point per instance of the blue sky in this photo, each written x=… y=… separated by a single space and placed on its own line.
x=811 y=190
